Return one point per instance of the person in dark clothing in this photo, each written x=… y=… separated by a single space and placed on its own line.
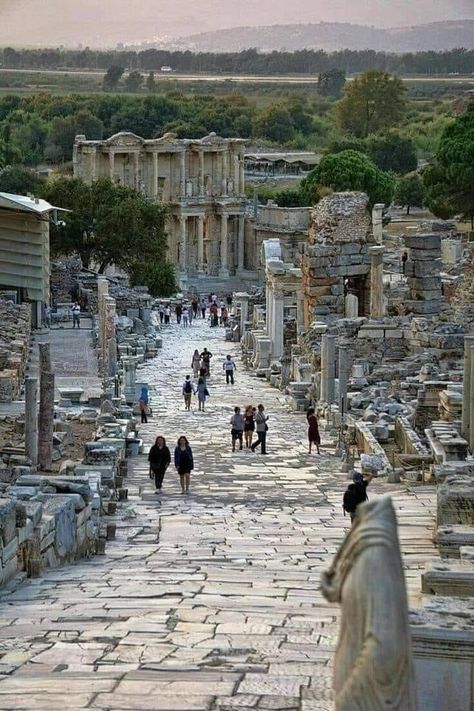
x=404 y=261
x=179 y=311
x=160 y=458
x=194 y=306
x=313 y=430
x=184 y=463
x=356 y=493
x=206 y=361
x=249 y=424
x=229 y=300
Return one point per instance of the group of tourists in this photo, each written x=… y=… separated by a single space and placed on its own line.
x=244 y=425
x=159 y=458
x=186 y=311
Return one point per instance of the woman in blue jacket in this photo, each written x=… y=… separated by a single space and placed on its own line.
x=184 y=463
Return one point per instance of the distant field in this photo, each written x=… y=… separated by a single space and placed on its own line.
x=24 y=81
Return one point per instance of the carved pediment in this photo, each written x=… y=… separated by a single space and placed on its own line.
x=124 y=139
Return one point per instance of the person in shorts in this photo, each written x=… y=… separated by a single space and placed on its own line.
x=237 y=431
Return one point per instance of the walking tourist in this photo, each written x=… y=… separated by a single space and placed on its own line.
x=202 y=393
x=160 y=458
x=203 y=308
x=229 y=300
x=206 y=361
x=185 y=317
x=161 y=311
x=143 y=405
x=313 y=429
x=214 y=315
x=196 y=363
x=249 y=424
x=356 y=493
x=194 y=307
x=237 y=424
x=184 y=463
x=229 y=367
x=76 y=315
x=262 y=429
x=187 y=392
x=178 y=311
x=167 y=314
x=224 y=316
x=404 y=261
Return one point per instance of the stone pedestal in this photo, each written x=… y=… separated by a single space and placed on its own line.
x=351 y=306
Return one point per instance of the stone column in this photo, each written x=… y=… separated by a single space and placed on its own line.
x=31 y=420
x=136 y=170
x=243 y=297
x=278 y=322
x=154 y=187
x=130 y=379
x=111 y=164
x=225 y=170
x=241 y=176
x=377 y=227
x=467 y=386
x=328 y=362
x=376 y=281
x=343 y=366
x=200 y=235
x=269 y=310
x=93 y=165
x=299 y=310
x=182 y=173
x=46 y=409
x=224 y=268
x=471 y=400
x=351 y=306
x=183 y=220
x=236 y=173
x=201 y=173
x=241 y=245
x=102 y=294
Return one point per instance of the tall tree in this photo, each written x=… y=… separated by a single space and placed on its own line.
x=112 y=77
x=151 y=82
x=409 y=191
x=373 y=102
x=449 y=180
x=348 y=170
x=134 y=81
x=19 y=180
x=331 y=83
x=392 y=151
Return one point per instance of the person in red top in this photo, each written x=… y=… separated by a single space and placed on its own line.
x=313 y=430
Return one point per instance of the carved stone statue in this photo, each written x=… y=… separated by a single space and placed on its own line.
x=373 y=664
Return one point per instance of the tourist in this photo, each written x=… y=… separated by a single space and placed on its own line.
x=313 y=429
x=237 y=424
x=161 y=311
x=404 y=261
x=202 y=393
x=160 y=458
x=356 y=493
x=47 y=315
x=76 y=315
x=196 y=363
x=206 y=361
x=229 y=366
x=213 y=299
x=262 y=429
x=249 y=424
x=190 y=315
x=224 y=316
x=214 y=317
x=194 y=307
x=229 y=300
x=184 y=463
x=185 y=317
x=187 y=392
x=203 y=308
x=178 y=311
x=167 y=314
x=143 y=405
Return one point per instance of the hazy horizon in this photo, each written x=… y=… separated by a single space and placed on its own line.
x=67 y=22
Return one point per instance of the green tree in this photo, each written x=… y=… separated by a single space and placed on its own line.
x=331 y=83
x=151 y=82
x=409 y=191
x=63 y=131
x=348 y=170
x=449 y=181
x=373 y=102
x=392 y=151
x=112 y=77
x=275 y=123
x=160 y=278
x=19 y=179
x=108 y=224
x=134 y=81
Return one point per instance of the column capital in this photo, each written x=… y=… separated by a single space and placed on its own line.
x=376 y=250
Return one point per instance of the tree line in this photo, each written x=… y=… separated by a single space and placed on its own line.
x=306 y=61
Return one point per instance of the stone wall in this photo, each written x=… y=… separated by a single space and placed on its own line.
x=15 y=330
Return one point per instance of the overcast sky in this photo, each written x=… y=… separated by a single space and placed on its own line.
x=106 y=22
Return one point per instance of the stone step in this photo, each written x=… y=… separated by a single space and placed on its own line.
x=448 y=577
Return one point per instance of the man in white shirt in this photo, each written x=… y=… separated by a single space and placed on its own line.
x=229 y=367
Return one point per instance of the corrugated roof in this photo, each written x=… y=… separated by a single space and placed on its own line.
x=26 y=204
x=290 y=157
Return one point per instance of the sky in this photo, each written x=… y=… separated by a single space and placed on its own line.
x=106 y=22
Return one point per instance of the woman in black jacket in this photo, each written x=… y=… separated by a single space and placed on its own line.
x=184 y=463
x=159 y=458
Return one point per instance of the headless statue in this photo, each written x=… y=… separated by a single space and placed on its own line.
x=373 y=669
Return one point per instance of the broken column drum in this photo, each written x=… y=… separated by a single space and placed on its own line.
x=31 y=420
x=423 y=270
x=376 y=281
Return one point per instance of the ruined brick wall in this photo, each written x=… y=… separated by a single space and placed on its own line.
x=15 y=330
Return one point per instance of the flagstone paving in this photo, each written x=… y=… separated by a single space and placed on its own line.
x=205 y=601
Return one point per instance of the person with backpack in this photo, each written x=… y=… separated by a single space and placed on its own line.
x=229 y=367
x=187 y=392
x=143 y=405
x=356 y=494
x=160 y=458
x=237 y=431
x=184 y=463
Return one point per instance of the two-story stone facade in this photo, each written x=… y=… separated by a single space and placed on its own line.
x=202 y=183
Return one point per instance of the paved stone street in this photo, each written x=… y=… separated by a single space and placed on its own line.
x=205 y=601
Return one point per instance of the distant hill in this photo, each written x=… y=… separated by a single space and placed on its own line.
x=332 y=37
